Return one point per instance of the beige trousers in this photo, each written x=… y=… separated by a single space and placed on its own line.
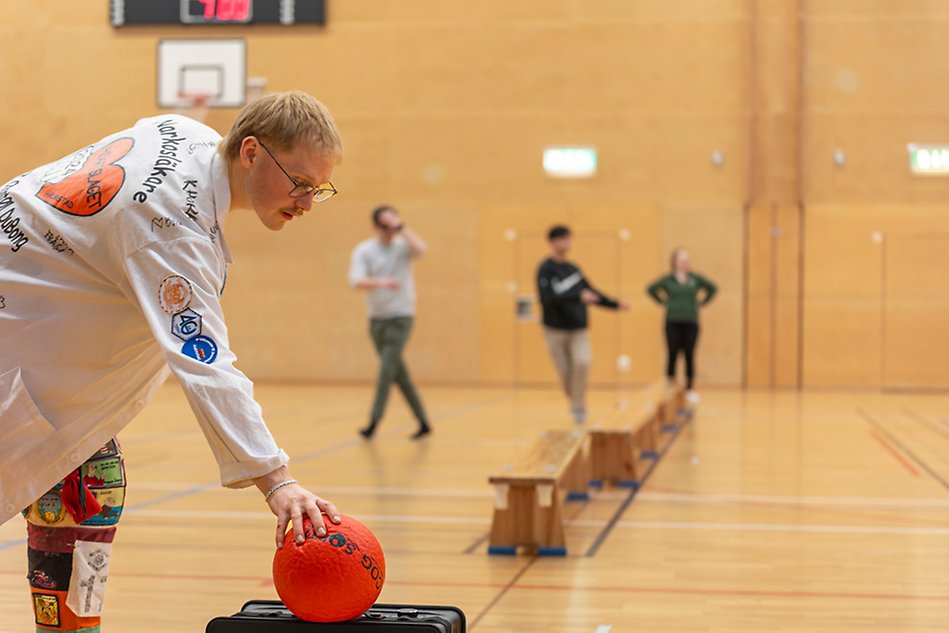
x=570 y=350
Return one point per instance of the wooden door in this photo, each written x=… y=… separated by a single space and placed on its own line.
x=916 y=312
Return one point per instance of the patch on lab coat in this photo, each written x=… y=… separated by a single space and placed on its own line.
x=85 y=183
x=186 y=324
x=49 y=508
x=200 y=348
x=112 y=501
x=174 y=294
x=46 y=609
x=103 y=473
x=90 y=572
x=108 y=450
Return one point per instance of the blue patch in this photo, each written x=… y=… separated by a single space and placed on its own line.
x=200 y=348
x=186 y=325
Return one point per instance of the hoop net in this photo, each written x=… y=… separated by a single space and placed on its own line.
x=194 y=105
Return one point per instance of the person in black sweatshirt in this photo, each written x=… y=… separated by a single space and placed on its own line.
x=564 y=295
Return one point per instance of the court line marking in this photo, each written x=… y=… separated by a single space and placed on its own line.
x=889 y=448
x=204 y=515
x=795 y=500
x=919 y=462
x=484 y=493
x=696 y=498
x=785 y=527
x=267 y=581
x=510 y=584
x=926 y=422
x=605 y=533
x=195 y=489
x=609 y=525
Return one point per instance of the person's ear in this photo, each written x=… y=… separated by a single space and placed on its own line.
x=249 y=151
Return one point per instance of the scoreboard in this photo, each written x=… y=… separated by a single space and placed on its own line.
x=216 y=12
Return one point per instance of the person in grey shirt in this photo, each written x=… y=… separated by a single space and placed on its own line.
x=382 y=266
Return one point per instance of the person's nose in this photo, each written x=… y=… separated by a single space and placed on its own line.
x=304 y=203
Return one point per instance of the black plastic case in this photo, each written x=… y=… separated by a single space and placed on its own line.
x=270 y=616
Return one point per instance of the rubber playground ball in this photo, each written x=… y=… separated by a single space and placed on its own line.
x=330 y=578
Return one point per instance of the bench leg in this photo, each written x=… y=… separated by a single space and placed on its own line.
x=576 y=479
x=615 y=457
x=647 y=439
x=533 y=517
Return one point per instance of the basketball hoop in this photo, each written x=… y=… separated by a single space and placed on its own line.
x=194 y=105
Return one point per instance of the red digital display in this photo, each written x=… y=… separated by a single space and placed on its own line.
x=238 y=10
x=217 y=10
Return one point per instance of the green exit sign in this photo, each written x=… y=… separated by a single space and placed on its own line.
x=929 y=159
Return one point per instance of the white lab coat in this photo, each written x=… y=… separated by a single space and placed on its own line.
x=93 y=249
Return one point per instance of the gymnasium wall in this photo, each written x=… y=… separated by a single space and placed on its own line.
x=876 y=238
x=445 y=109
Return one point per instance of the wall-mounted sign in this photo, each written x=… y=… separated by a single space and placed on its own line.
x=570 y=162
x=928 y=159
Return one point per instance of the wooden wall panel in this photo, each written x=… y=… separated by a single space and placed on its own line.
x=714 y=234
x=787 y=345
x=870 y=104
x=867 y=271
x=445 y=109
x=916 y=347
x=760 y=333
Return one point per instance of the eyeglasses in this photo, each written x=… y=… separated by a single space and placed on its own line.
x=321 y=193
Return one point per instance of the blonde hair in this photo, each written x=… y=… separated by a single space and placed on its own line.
x=285 y=119
x=675 y=255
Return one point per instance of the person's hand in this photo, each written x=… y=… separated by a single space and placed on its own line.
x=624 y=306
x=291 y=503
x=588 y=296
x=392 y=284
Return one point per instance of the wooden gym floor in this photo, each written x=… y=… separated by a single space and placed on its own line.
x=770 y=512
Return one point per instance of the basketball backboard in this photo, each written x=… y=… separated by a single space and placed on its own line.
x=213 y=67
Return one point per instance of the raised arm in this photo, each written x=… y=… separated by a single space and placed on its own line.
x=417 y=246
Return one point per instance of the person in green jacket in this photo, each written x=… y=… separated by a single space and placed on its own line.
x=679 y=292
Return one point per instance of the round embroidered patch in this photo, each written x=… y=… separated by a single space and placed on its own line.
x=200 y=348
x=49 y=508
x=174 y=294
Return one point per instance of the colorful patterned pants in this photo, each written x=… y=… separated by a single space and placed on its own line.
x=70 y=531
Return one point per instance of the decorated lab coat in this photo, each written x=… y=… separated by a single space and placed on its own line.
x=112 y=265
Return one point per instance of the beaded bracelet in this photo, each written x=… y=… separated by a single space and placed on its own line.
x=277 y=487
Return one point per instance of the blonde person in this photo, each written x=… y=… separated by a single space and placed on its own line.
x=112 y=266
x=565 y=294
x=682 y=292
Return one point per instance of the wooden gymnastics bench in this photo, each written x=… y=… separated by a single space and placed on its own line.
x=620 y=448
x=529 y=496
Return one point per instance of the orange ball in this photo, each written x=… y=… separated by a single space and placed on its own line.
x=330 y=578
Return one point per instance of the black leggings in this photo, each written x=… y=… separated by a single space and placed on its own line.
x=682 y=337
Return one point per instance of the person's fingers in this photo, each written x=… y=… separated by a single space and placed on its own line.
x=297 y=517
x=316 y=518
x=329 y=509
x=281 y=528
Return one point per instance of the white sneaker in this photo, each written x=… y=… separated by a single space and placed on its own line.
x=692 y=397
x=579 y=416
